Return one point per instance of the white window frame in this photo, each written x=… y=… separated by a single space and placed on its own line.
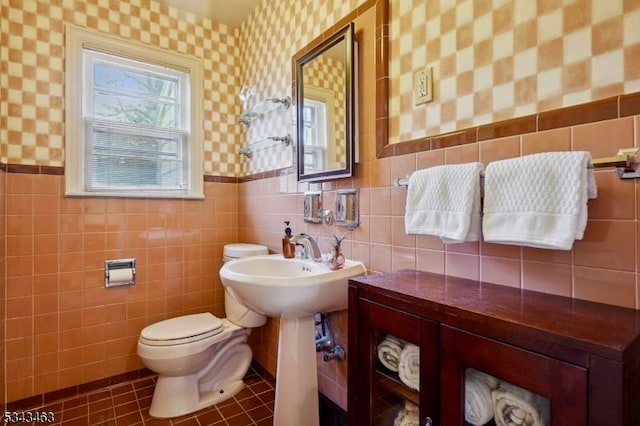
x=79 y=40
x=325 y=151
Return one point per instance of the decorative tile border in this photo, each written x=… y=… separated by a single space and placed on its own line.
x=600 y=110
x=220 y=179
x=265 y=175
x=33 y=169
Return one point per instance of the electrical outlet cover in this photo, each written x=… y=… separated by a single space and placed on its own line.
x=423 y=86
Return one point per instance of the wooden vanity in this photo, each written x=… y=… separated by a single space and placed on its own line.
x=583 y=357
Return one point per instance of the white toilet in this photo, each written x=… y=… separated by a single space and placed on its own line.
x=200 y=359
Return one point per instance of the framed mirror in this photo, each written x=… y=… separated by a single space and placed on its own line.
x=324 y=108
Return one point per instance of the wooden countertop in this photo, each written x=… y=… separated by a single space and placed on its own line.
x=566 y=327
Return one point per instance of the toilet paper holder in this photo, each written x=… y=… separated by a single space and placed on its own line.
x=119 y=272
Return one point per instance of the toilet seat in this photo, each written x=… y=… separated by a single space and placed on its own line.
x=181 y=330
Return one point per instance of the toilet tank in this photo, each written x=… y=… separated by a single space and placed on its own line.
x=234 y=310
x=239 y=250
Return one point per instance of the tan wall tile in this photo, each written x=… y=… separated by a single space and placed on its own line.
x=96 y=328
x=606 y=245
x=605 y=286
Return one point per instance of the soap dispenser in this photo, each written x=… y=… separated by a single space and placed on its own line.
x=288 y=248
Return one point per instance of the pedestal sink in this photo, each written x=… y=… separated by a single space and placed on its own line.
x=292 y=290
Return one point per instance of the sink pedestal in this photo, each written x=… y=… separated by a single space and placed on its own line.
x=292 y=290
x=296 y=374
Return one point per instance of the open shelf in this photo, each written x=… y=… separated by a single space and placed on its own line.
x=264 y=107
x=269 y=141
x=395 y=386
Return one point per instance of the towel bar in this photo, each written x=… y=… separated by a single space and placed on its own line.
x=626 y=163
x=405 y=181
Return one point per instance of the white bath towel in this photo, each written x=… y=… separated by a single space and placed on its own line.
x=538 y=200
x=513 y=405
x=478 y=405
x=409 y=415
x=409 y=366
x=445 y=201
x=389 y=352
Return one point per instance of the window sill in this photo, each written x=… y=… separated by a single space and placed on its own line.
x=111 y=194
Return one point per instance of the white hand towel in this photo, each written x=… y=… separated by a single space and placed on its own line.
x=478 y=405
x=538 y=200
x=409 y=366
x=445 y=201
x=389 y=352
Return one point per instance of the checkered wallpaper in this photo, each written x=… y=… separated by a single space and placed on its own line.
x=497 y=60
x=32 y=66
x=4 y=78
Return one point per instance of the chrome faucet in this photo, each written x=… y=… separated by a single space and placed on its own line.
x=310 y=249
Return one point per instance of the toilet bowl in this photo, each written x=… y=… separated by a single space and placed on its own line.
x=200 y=359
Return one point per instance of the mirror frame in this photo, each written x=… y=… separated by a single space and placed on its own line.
x=345 y=34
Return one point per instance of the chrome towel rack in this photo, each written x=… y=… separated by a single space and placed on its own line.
x=626 y=163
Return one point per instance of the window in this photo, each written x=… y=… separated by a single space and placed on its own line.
x=319 y=133
x=133 y=119
x=314 y=126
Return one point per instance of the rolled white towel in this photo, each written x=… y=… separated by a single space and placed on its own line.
x=407 y=416
x=514 y=406
x=409 y=366
x=411 y=407
x=478 y=405
x=389 y=352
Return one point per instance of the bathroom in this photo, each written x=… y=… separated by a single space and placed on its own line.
x=62 y=328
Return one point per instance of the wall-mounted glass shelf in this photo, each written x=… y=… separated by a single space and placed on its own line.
x=249 y=148
x=264 y=107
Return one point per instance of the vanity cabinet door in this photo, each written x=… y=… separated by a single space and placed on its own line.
x=552 y=388
x=386 y=393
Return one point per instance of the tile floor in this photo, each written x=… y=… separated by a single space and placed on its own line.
x=127 y=404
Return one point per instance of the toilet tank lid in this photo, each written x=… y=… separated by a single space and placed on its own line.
x=244 y=250
x=182 y=327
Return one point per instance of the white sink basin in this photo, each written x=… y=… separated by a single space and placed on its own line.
x=279 y=287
